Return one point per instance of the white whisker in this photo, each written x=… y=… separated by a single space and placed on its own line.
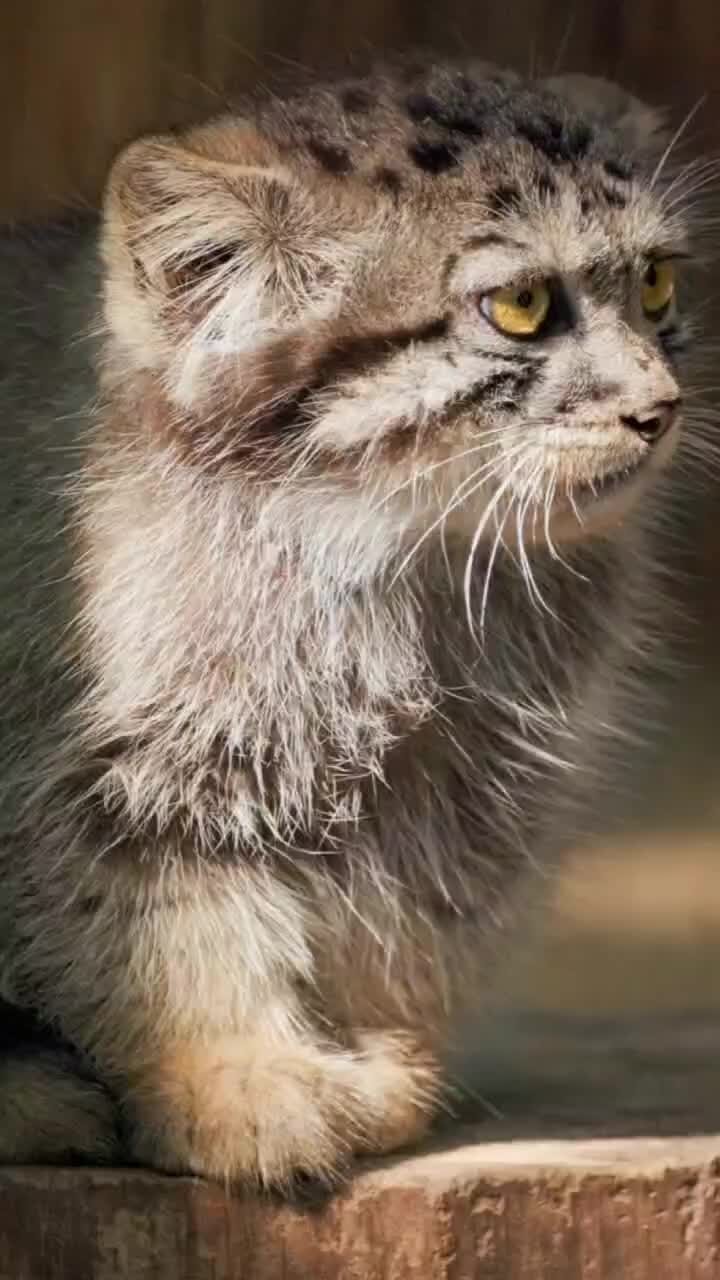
x=534 y=592
x=477 y=536
x=465 y=490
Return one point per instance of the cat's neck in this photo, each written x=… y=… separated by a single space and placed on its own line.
x=196 y=587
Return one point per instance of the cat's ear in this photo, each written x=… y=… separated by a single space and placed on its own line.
x=209 y=241
x=640 y=129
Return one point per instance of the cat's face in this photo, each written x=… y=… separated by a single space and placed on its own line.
x=556 y=366
x=451 y=299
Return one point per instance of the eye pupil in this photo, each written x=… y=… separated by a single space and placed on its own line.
x=525 y=298
x=651 y=275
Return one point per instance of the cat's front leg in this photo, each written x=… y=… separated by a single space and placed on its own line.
x=191 y=1000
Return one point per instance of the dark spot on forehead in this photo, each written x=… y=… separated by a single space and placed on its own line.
x=388 y=179
x=334 y=159
x=356 y=99
x=586 y=206
x=559 y=140
x=420 y=106
x=433 y=157
x=460 y=116
x=619 y=167
x=504 y=199
x=578 y=137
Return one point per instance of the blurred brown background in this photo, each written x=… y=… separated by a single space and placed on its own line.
x=637 y=925
x=79 y=77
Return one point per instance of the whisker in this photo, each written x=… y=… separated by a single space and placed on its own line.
x=488 y=572
x=535 y=594
x=675 y=139
x=477 y=536
x=465 y=489
x=416 y=478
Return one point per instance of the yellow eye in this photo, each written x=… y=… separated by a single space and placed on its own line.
x=519 y=312
x=658 y=288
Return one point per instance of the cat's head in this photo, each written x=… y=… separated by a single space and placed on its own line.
x=438 y=295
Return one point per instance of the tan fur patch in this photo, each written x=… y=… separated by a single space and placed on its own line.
x=247 y=1110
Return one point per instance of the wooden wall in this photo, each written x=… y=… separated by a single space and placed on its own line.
x=77 y=77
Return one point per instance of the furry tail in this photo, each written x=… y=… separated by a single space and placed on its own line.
x=50 y=1110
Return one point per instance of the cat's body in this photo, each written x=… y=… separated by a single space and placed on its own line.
x=273 y=799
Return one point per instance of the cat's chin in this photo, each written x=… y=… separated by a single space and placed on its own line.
x=595 y=504
x=595 y=508
x=598 y=507
x=592 y=509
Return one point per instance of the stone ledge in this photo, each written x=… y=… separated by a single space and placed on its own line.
x=555 y=1208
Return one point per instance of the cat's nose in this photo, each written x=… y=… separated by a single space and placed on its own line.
x=652 y=424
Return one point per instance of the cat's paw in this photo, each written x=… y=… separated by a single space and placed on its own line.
x=400 y=1085
x=245 y=1112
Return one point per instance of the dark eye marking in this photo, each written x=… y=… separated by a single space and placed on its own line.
x=508 y=389
x=519 y=358
x=299 y=374
x=358 y=353
x=348 y=356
